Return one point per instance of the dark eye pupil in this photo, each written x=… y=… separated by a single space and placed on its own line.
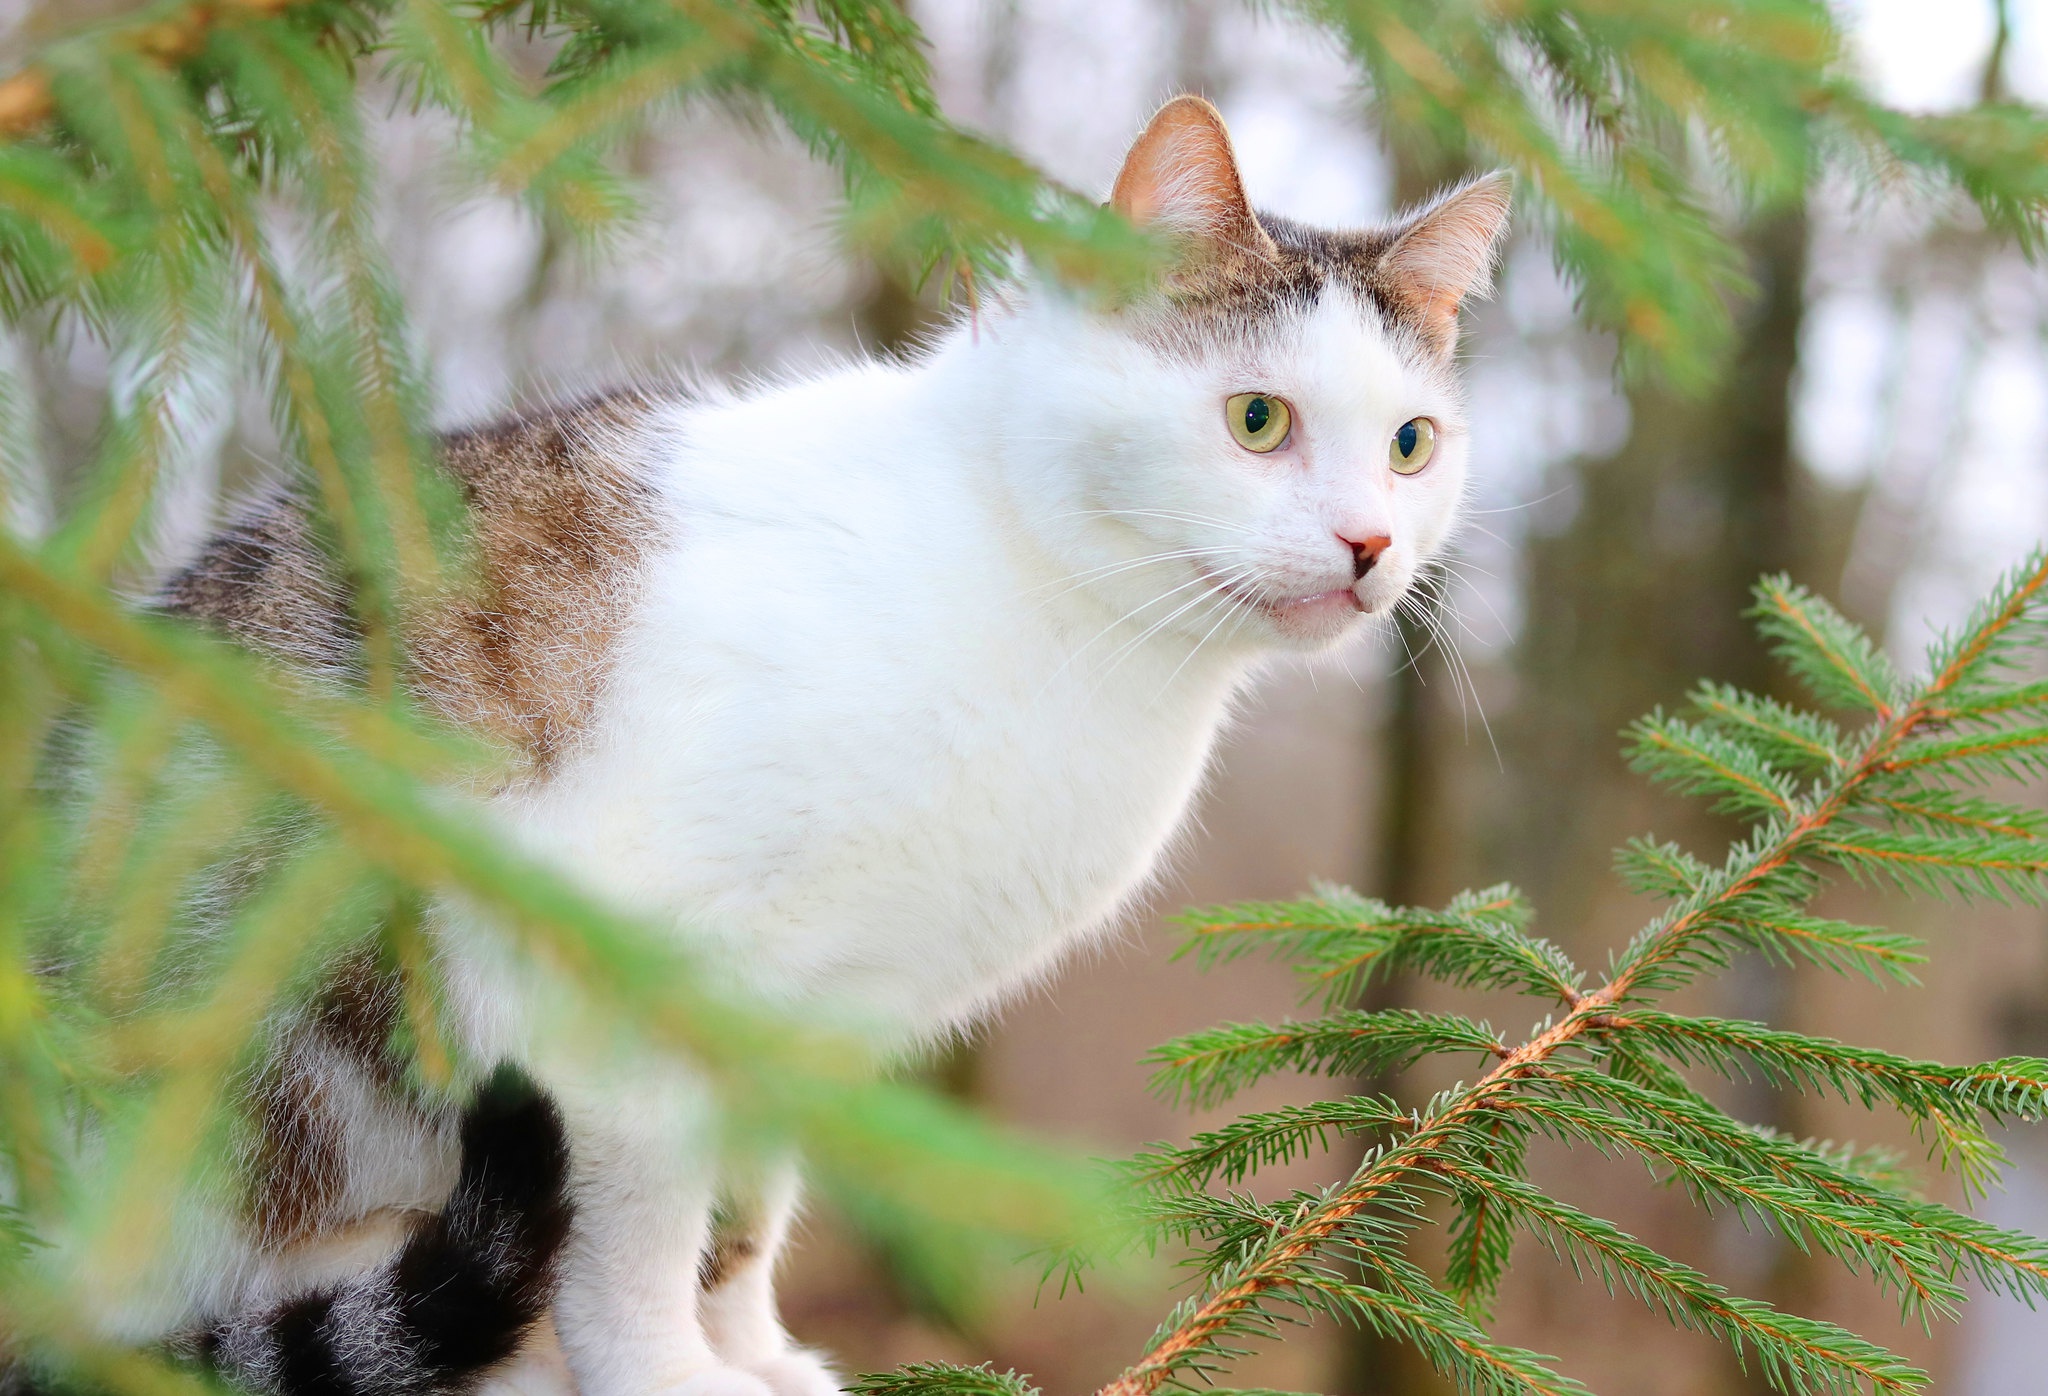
x=1257 y=413
x=1405 y=438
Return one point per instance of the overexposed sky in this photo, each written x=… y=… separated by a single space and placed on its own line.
x=1928 y=55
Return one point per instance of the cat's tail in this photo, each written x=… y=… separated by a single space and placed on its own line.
x=458 y=1298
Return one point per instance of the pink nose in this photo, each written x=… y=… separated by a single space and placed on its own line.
x=1365 y=551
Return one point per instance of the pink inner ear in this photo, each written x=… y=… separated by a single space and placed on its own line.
x=1181 y=173
x=1447 y=255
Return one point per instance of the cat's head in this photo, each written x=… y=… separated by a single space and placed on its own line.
x=1272 y=444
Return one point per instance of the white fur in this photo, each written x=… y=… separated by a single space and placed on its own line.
x=905 y=715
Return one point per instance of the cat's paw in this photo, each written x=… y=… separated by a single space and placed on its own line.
x=721 y=1381
x=797 y=1373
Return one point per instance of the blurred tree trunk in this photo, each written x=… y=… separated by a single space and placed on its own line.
x=1640 y=596
x=1642 y=593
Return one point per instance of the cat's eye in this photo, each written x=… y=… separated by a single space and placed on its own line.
x=1412 y=446
x=1258 y=422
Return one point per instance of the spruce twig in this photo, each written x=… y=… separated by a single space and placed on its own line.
x=1915 y=1248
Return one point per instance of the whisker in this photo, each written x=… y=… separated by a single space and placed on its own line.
x=1414 y=664
x=1450 y=563
x=1127 y=617
x=1110 y=569
x=1482 y=528
x=1526 y=504
x=1461 y=669
x=1234 y=609
x=1176 y=515
x=1219 y=589
x=1462 y=565
x=1210 y=593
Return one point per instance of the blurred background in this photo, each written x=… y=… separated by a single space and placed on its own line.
x=1884 y=438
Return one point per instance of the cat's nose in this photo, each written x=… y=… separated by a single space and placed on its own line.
x=1365 y=551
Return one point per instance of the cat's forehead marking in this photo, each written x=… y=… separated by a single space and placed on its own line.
x=1235 y=294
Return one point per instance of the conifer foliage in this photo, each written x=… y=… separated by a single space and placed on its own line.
x=187 y=834
x=1886 y=783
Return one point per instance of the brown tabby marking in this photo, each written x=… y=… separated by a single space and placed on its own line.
x=562 y=517
x=265 y=580
x=300 y=1167
x=561 y=514
x=734 y=1242
x=1222 y=296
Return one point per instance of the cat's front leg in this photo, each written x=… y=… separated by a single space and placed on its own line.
x=643 y=1146
x=749 y=1228
x=627 y=1309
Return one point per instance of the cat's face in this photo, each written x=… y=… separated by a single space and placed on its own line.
x=1272 y=448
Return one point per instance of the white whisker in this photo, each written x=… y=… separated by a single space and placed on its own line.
x=1218 y=589
x=1516 y=508
x=1110 y=569
x=1172 y=515
x=1125 y=618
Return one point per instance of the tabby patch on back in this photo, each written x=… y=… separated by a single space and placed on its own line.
x=561 y=512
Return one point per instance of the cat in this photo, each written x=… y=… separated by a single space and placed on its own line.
x=884 y=689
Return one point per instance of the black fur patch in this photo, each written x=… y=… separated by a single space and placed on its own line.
x=482 y=1272
x=307 y=1364
x=461 y=1294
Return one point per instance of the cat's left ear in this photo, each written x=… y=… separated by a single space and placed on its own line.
x=1181 y=176
x=1443 y=256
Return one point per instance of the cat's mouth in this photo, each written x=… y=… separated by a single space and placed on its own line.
x=1308 y=615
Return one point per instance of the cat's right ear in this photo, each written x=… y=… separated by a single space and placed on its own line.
x=1181 y=177
x=1443 y=256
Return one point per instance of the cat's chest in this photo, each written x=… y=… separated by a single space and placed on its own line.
x=898 y=793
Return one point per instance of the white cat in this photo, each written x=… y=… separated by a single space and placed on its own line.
x=885 y=690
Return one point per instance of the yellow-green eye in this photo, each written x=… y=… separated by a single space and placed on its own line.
x=1258 y=422
x=1412 y=446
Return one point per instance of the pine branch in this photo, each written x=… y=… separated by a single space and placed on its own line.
x=1795 y=1354
x=1820 y=646
x=1840 y=665
x=1785 y=933
x=2014 y=1088
x=1858 y=1233
x=1985 y=864
x=943 y=1379
x=1231 y=1226
x=1209 y=1066
x=1788 y=738
x=1578 y=99
x=2006 y=1262
x=166 y=35
x=1695 y=760
x=1342 y=941
x=1433 y=1325
x=1943 y=812
x=1236 y=1150
x=1482 y=1231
